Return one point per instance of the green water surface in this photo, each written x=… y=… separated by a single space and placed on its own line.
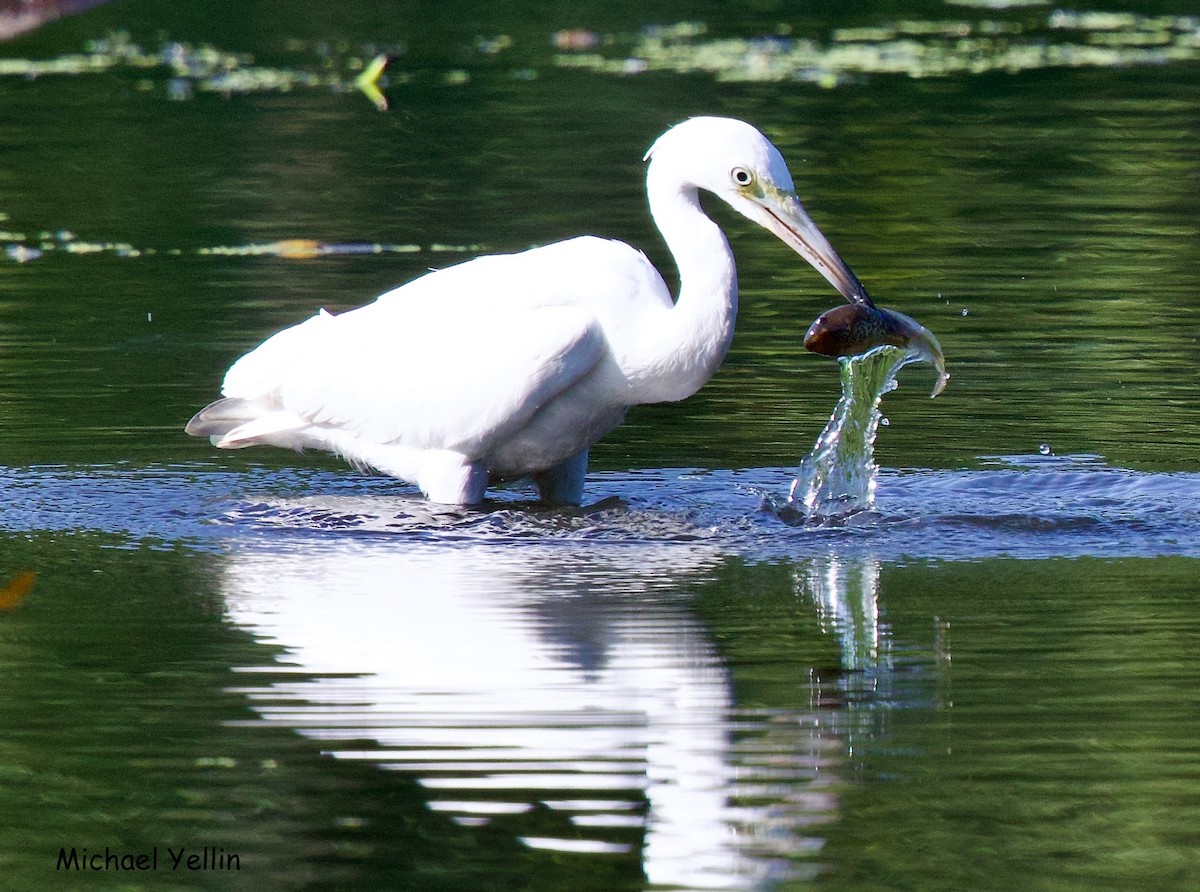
x=930 y=718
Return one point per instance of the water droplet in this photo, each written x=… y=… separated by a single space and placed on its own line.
x=884 y=422
x=964 y=312
x=1045 y=449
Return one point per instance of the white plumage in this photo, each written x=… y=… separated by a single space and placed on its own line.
x=513 y=365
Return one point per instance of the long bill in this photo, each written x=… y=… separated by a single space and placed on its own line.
x=786 y=217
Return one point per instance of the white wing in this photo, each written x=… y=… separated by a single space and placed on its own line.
x=456 y=359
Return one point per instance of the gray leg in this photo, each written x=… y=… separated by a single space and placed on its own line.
x=563 y=484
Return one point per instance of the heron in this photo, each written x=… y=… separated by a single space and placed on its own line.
x=512 y=366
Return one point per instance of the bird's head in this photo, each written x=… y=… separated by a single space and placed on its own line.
x=735 y=162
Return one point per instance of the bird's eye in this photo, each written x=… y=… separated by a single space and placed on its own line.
x=741 y=176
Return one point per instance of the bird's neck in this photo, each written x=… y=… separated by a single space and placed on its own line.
x=700 y=327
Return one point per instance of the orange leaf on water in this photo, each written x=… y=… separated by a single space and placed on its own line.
x=15 y=591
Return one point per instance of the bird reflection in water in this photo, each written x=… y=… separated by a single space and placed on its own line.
x=574 y=682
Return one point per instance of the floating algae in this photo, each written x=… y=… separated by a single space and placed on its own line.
x=980 y=36
x=187 y=69
x=910 y=48
x=20 y=248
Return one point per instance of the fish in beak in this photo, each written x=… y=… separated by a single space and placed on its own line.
x=854 y=329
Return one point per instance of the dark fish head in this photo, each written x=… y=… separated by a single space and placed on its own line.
x=851 y=329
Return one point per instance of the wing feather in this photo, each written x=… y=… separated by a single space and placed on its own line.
x=404 y=388
x=459 y=358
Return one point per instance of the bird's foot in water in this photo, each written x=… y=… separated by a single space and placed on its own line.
x=450 y=478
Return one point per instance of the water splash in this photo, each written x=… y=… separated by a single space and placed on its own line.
x=838 y=477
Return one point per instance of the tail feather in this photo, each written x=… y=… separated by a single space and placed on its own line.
x=221 y=416
x=233 y=423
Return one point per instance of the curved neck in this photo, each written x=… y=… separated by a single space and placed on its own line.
x=700 y=327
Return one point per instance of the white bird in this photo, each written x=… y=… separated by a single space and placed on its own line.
x=513 y=365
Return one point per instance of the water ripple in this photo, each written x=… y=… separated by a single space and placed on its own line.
x=1026 y=507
